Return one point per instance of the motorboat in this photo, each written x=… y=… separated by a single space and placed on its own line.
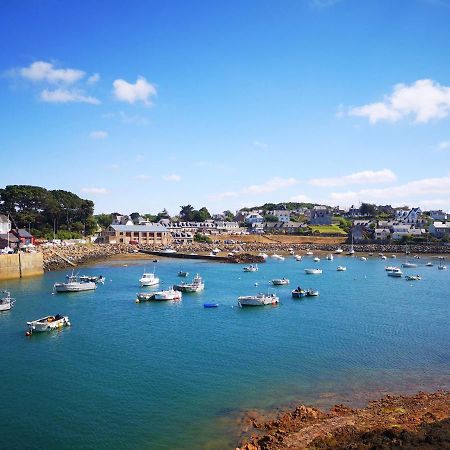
x=263 y=255
x=145 y=297
x=74 y=284
x=148 y=279
x=298 y=292
x=413 y=277
x=329 y=257
x=409 y=264
x=393 y=256
x=183 y=274
x=280 y=282
x=298 y=257
x=312 y=293
x=316 y=259
x=338 y=251
x=341 y=268
x=251 y=268
x=441 y=266
x=197 y=285
x=94 y=279
x=6 y=301
x=48 y=323
x=363 y=258
x=390 y=268
x=169 y=294
x=309 y=253
x=313 y=271
x=395 y=272
x=429 y=264
x=383 y=257
x=258 y=300
x=278 y=257
x=168 y=250
x=216 y=250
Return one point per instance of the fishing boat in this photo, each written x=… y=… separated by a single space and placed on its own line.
x=197 y=285
x=145 y=297
x=263 y=255
x=329 y=257
x=312 y=293
x=298 y=292
x=168 y=250
x=251 y=268
x=47 y=323
x=363 y=258
x=73 y=284
x=278 y=257
x=409 y=264
x=313 y=271
x=6 y=301
x=183 y=274
x=148 y=279
x=341 y=268
x=91 y=278
x=298 y=257
x=429 y=264
x=280 y=281
x=169 y=294
x=390 y=268
x=316 y=259
x=413 y=277
x=395 y=272
x=258 y=300
x=338 y=251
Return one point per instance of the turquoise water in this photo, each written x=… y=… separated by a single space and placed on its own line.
x=176 y=375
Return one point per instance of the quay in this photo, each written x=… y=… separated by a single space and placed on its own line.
x=242 y=258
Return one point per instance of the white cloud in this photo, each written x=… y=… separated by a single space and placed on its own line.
x=259 y=144
x=93 y=79
x=444 y=145
x=96 y=135
x=45 y=71
x=364 y=177
x=425 y=100
x=172 y=177
x=141 y=91
x=300 y=198
x=95 y=190
x=67 y=96
x=272 y=185
x=142 y=177
x=113 y=167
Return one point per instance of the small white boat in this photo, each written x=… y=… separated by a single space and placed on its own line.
x=341 y=268
x=280 y=281
x=429 y=264
x=298 y=257
x=263 y=255
x=73 y=284
x=395 y=272
x=309 y=253
x=278 y=257
x=352 y=250
x=291 y=252
x=383 y=257
x=312 y=293
x=47 y=324
x=316 y=259
x=329 y=257
x=94 y=279
x=313 y=271
x=251 y=268
x=413 y=278
x=216 y=250
x=390 y=268
x=183 y=274
x=168 y=250
x=258 y=300
x=409 y=264
x=338 y=251
x=169 y=294
x=197 y=285
x=442 y=267
x=363 y=258
x=6 y=301
x=393 y=256
x=148 y=279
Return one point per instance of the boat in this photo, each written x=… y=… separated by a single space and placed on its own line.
x=413 y=278
x=148 y=279
x=183 y=274
x=312 y=293
x=298 y=257
x=145 y=297
x=383 y=257
x=74 y=284
x=6 y=301
x=210 y=305
x=429 y=264
x=168 y=250
x=298 y=292
x=395 y=272
x=338 y=251
x=47 y=323
x=341 y=268
x=197 y=285
x=409 y=264
x=86 y=278
x=329 y=257
x=263 y=255
x=363 y=258
x=313 y=271
x=278 y=257
x=393 y=256
x=441 y=265
x=390 y=268
x=316 y=259
x=258 y=300
x=251 y=268
x=280 y=281
x=169 y=294
x=309 y=253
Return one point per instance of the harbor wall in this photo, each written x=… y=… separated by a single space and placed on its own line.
x=21 y=265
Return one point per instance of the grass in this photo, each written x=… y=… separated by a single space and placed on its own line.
x=327 y=229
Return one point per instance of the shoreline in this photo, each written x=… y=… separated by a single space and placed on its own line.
x=417 y=421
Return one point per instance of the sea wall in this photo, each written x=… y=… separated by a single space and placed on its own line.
x=21 y=265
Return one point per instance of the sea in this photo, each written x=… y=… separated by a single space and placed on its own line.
x=176 y=375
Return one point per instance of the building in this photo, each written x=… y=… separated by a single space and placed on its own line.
x=382 y=234
x=140 y=234
x=320 y=215
x=254 y=218
x=121 y=220
x=440 y=229
x=25 y=238
x=283 y=215
x=5 y=224
x=439 y=215
x=411 y=216
x=8 y=240
x=399 y=231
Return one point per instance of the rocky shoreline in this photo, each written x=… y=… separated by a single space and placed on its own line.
x=421 y=421
x=62 y=257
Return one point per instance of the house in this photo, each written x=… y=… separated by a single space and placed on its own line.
x=121 y=220
x=226 y=227
x=320 y=215
x=254 y=218
x=283 y=215
x=5 y=224
x=411 y=216
x=382 y=234
x=8 y=240
x=353 y=212
x=25 y=238
x=439 y=229
x=142 y=234
x=399 y=231
x=360 y=232
x=439 y=215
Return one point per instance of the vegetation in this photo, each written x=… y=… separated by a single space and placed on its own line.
x=270 y=218
x=327 y=229
x=47 y=212
x=345 y=224
x=189 y=214
x=198 y=237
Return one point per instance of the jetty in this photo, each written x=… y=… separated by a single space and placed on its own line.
x=239 y=258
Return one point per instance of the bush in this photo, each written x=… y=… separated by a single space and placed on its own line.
x=202 y=238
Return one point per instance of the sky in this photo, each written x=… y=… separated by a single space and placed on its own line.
x=145 y=105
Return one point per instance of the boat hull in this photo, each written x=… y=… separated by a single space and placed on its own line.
x=45 y=324
x=75 y=287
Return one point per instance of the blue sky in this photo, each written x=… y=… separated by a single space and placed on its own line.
x=143 y=105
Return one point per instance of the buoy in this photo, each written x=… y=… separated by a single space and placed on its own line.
x=256 y=284
x=137 y=300
x=27 y=333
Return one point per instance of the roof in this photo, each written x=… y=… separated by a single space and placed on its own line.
x=3 y=218
x=12 y=238
x=24 y=233
x=156 y=228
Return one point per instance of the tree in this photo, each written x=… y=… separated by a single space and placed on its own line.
x=187 y=213
x=270 y=218
x=368 y=209
x=229 y=216
x=134 y=216
x=104 y=220
x=201 y=215
x=163 y=215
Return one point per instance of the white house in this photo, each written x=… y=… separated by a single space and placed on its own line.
x=5 y=224
x=439 y=215
x=283 y=215
x=381 y=234
x=398 y=231
x=411 y=216
x=121 y=220
x=439 y=229
x=253 y=218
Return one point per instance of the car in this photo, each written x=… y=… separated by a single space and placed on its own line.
x=134 y=242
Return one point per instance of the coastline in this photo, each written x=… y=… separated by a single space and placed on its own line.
x=419 y=421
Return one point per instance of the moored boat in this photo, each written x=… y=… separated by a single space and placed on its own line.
x=6 y=301
x=210 y=305
x=280 y=281
x=251 y=268
x=148 y=279
x=298 y=292
x=409 y=264
x=145 y=297
x=258 y=300
x=338 y=251
x=395 y=272
x=313 y=271
x=316 y=259
x=363 y=258
x=429 y=264
x=48 y=323
x=413 y=277
x=278 y=257
x=341 y=268
x=298 y=257
x=312 y=293
x=183 y=274
x=197 y=285
x=169 y=294
x=73 y=284
x=329 y=257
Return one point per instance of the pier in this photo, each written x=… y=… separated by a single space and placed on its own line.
x=240 y=258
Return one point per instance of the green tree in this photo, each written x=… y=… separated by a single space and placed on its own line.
x=104 y=220
x=270 y=218
x=187 y=213
x=201 y=215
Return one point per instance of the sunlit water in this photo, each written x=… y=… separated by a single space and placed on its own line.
x=175 y=375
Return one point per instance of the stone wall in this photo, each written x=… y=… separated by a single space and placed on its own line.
x=21 y=265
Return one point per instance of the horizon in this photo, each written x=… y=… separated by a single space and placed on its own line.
x=146 y=106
